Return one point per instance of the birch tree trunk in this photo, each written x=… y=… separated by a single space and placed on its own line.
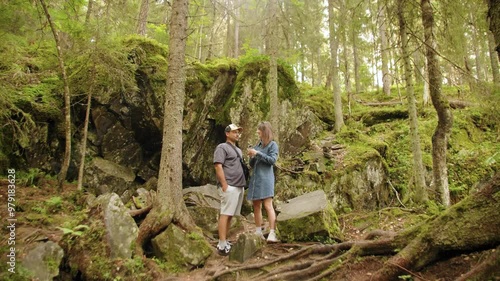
x=67 y=101
x=83 y=149
x=418 y=166
x=445 y=118
x=334 y=45
x=169 y=204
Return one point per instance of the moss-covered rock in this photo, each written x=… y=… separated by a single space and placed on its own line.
x=309 y=217
x=184 y=250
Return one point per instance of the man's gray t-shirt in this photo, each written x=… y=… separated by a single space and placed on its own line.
x=231 y=165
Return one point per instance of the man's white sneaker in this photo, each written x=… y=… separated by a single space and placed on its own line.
x=224 y=251
x=272 y=237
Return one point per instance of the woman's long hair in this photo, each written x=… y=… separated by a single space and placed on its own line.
x=266 y=133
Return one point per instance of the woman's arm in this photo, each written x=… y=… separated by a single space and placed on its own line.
x=272 y=155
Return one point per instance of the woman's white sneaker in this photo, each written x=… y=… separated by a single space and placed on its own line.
x=272 y=237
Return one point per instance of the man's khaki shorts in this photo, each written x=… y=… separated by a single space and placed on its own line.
x=231 y=200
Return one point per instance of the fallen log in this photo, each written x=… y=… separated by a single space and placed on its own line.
x=381 y=103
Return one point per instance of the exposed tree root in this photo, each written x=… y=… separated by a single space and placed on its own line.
x=308 y=265
x=488 y=267
x=139 y=212
x=155 y=222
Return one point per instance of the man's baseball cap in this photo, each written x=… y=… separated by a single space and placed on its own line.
x=232 y=127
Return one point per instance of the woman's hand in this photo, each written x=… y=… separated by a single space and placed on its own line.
x=251 y=152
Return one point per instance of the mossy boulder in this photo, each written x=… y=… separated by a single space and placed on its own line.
x=309 y=217
x=43 y=260
x=177 y=247
x=104 y=247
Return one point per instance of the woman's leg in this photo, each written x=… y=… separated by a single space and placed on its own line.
x=257 y=211
x=271 y=215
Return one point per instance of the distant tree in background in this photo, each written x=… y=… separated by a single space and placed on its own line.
x=67 y=99
x=445 y=118
x=418 y=165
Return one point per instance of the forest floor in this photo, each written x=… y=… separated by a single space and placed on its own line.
x=39 y=215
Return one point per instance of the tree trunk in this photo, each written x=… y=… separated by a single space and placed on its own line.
x=493 y=59
x=494 y=22
x=169 y=204
x=445 y=118
x=143 y=18
x=385 y=54
x=85 y=129
x=478 y=54
x=418 y=67
x=339 y=118
x=345 y=47
x=67 y=101
x=427 y=95
x=418 y=166
x=236 y=47
x=273 y=67
x=357 y=78
x=90 y=6
x=228 y=30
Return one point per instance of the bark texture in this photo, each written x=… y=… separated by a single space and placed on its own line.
x=143 y=18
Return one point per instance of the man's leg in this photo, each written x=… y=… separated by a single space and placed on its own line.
x=223 y=226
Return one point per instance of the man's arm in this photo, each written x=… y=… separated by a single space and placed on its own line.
x=219 y=173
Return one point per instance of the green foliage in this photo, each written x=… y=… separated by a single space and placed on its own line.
x=30 y=177
x=159 y=33
x=76 y=231
x=168 y=266
x=54 y=203
x=39 y=209
x=252 y=56
x=320 y=102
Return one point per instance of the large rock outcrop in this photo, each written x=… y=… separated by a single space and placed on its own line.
x=127 y=125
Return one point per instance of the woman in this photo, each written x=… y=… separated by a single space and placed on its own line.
x=261 y=187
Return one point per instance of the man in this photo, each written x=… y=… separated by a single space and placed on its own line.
x=229 y=173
